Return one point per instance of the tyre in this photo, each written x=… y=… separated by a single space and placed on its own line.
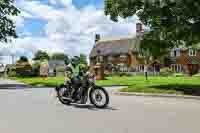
x=99 y=97
x=61 y=90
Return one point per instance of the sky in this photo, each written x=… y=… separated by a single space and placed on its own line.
x=67 y=26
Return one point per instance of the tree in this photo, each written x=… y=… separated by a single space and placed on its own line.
x=41 y=55
x=36 y=68
x=58 y=56
x=7 y=26
x=66 y=60
x=23 y=59
x=172 y=23
x=83 y=59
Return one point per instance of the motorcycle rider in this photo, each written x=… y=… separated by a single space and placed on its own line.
x=73 y=74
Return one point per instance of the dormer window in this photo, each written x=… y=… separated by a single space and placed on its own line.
x=123 y=58
x=192 y=52
x=175 y=52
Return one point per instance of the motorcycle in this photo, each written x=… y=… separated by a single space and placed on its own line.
x=98 y=96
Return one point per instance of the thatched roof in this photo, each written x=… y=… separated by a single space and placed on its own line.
x=185 y=60
x=191 y=60
x=115 y=46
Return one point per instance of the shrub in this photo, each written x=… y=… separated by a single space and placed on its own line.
x=166 y=72
x=12 y=74
x=118 y=74
x=197 y=75
x=178 y=74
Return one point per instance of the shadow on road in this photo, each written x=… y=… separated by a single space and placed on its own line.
x=13 y=86
x=92 y=107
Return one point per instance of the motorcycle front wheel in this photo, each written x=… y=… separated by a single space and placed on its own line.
x=99 y=97
x=61 y=94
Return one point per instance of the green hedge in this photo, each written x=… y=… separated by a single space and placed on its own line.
x=178 y=75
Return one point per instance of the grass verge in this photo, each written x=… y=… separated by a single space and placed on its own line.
x=168 y=85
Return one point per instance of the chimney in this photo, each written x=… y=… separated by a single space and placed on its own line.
x=139 y=28
x=97 y=37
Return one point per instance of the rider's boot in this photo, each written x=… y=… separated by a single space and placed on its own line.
x=74 y=96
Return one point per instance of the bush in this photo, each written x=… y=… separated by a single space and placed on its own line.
x=10 y=71
x=197 y=75
x=166 y=72
x=118 y=75
x=12 y=74
x=178 y=74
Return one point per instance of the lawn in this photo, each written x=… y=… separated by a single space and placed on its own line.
x=169 y=85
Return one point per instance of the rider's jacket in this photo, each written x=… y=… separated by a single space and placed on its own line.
x=71 y=71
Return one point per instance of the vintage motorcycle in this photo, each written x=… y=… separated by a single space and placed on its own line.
x=98 y=96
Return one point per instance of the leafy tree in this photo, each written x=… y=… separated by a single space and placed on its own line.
x=59 y=56
x=66 y=60
x=41 y=55
x=36 y=68
x=83 y=59
x=23 y=59
x=172 y=23
x=7 y=26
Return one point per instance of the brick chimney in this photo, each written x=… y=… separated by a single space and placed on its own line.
x=139 y=30
x=97 y=37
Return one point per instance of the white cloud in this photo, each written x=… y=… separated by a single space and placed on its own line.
x=68 y=29
x=65 y=3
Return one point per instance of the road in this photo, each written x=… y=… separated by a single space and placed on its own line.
x=36 y=110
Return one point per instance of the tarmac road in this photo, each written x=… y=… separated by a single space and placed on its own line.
x=36 y=110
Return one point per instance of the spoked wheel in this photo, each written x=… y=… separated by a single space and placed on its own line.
x=62 y=95
x=99 y=97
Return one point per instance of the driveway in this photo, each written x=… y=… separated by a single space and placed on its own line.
x=36 y=110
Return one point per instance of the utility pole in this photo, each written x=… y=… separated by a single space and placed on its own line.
x=1 y=60
x=13 y=59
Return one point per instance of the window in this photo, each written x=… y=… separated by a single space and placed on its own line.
x=123 y=58
x=192 y=52
x=177 y=68
x=175 y=52
x=140 y=68
x=123 y=68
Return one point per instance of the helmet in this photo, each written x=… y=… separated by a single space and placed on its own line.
x=75 y=60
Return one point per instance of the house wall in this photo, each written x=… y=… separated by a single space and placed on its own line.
x=134 y=61
x=198 y=53
x=182 y=60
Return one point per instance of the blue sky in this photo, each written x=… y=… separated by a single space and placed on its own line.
x=67 y=26
x=35 y=26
